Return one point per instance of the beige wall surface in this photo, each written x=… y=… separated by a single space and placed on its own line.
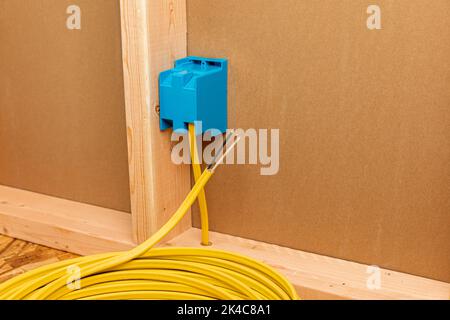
x=365 y=126
x=62 y=113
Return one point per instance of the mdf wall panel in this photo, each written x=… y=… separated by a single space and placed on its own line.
x=62 y=108
x=364 y=119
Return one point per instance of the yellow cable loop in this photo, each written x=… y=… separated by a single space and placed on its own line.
x=146 y=272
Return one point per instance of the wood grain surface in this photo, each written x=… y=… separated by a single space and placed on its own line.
x=17 y=257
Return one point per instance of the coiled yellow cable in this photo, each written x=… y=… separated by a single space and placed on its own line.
x=146 y=272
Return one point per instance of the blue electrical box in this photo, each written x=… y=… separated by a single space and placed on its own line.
x=194 y=91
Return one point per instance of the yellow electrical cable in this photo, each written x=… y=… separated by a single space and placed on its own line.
x=146 y=272
x=196 y=169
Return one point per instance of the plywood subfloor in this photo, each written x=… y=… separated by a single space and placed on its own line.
x=17 y=257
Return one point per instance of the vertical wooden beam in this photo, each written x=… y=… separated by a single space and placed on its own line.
x=153 y=36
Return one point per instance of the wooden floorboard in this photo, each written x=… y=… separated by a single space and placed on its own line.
x=17 y=257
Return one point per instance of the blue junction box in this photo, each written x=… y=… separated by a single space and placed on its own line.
x=195 y=90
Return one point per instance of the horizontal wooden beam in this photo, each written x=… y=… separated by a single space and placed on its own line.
x=320 y=277
x=63 y=224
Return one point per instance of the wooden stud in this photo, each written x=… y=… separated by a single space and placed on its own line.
x=153 y=36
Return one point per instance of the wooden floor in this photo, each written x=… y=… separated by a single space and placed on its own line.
x=17 y=257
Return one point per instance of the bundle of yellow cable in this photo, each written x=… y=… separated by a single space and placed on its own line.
x=146 y=272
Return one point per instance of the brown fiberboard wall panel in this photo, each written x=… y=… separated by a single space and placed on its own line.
x=365 y=127
x=62 y=110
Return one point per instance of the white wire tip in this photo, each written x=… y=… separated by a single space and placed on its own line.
x=230 y=142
